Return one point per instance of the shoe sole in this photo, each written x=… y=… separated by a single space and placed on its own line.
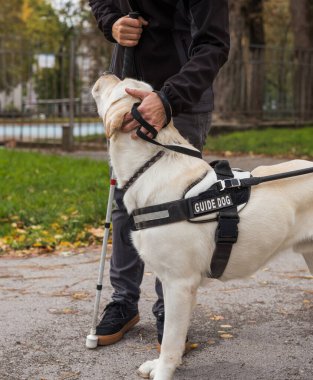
x=106 y=340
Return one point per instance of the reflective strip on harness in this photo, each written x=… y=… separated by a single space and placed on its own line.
x=151 y=216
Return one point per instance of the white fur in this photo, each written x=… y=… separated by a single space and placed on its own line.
x=278 y=216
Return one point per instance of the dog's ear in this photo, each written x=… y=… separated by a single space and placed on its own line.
x=114 y=117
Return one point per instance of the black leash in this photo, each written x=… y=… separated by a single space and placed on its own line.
x=129 y=69
x=253 y=181
x=176 y=148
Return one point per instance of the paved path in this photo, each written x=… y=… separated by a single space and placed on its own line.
x=46 y=308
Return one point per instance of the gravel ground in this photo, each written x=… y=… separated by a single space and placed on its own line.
x=259 y=328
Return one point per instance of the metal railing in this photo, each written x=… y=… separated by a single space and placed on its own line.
x=45 y=96
x=267 y=83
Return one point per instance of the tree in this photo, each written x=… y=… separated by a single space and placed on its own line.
x=239 y=88
x=24 y=27
x=302 y=27
x=10 y=25
x=43 y=26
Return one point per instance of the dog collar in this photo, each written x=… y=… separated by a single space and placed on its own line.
x=143 y=169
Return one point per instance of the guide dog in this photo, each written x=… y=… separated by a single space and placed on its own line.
x=277 y=217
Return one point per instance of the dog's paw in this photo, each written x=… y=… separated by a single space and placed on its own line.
x=147 y=369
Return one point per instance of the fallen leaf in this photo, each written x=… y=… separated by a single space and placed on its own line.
x=36 y=227
x=66 y=310
x=299 y=277
x=211 y=341
x=80 y=295
x=226 y=326
x=226 y=336
x=96 y=232
x=217 y=318
x=65 y=244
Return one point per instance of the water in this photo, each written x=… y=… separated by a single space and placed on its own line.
x=47 y=131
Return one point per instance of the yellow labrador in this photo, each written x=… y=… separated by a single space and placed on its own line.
x=277 y=217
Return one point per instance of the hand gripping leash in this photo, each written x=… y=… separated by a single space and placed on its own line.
x=92 y=339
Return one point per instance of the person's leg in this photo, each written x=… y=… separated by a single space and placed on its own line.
x=126 y=270
x=126 y=273
x=195 y=128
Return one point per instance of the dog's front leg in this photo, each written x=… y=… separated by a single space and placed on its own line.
x=179 y=300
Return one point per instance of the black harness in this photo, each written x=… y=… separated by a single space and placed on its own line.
x=223 y=198
x=212 y=200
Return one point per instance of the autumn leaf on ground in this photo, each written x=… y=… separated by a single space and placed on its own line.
x=80 y=295
x=211 y=341
x=217 y=318
x=96 y=232
x=66 y=310
x=226 y=336
x=299 y=277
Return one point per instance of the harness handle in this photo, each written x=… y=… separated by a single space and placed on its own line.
x=253 y=181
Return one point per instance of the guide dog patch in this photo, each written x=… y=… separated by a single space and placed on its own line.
x=206 y=206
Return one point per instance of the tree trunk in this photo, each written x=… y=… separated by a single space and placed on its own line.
x=239 y=87
x=255 y=74
x=302 y=26
x=229 y=86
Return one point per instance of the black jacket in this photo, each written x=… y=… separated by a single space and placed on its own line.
x=181 y=50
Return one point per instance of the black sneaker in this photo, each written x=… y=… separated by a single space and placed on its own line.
x=117 y=319
x=160 y=326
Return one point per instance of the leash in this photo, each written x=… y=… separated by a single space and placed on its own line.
x=129 y=69
x=175 y=148
x=253 y=181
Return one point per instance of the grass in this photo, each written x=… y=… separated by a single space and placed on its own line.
x=274 y=142
x=47 y=201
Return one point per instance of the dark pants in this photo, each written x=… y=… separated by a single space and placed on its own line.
x=127 y=268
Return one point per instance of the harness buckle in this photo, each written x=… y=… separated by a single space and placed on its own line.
x=228 y=183
x=227 y=229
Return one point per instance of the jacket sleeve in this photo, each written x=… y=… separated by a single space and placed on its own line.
x=207 y=53
x=106 y=13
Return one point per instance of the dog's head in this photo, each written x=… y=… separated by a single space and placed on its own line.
x=113 y=102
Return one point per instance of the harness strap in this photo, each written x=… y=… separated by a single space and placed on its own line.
x=171 y=212
x=210 y=201
x=176 y=148
x=226 y=233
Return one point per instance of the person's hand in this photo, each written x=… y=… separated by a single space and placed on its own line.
x=127 y=31
x=151 y=109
